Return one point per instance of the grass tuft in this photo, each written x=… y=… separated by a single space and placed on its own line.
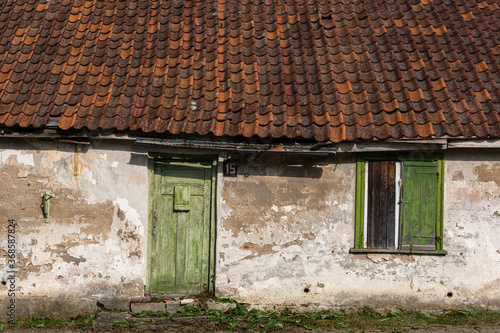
x=241 y=318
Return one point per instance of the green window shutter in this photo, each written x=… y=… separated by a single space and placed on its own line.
x=419 y=207
x=360 y=201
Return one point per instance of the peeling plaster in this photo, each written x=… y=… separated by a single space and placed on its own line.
x=298 y=234
x=97 y=227
x=130 y=213
x=284 y=225
x=20 y=157
x=487 y=173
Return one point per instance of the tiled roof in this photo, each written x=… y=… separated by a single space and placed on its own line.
x=314 y=69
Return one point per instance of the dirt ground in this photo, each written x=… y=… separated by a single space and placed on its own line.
x=459 y=329
x=439 y=329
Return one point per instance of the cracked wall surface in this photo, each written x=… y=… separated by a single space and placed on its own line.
x=287 y=225
x=94 y=245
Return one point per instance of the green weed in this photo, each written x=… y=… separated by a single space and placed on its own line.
x=190 y=311
x=123 y=322
x=147 y=313
x=241 y=318
x=426 y=315
x=38 y=322
x=157 y=297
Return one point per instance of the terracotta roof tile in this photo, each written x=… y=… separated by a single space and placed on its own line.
x=317 y=69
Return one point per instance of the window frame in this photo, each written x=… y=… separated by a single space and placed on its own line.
x=361 y=201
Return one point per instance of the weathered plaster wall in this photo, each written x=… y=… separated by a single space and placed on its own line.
x=94 y=246
x=284 y=229
x=472 y=226
x=287 y=224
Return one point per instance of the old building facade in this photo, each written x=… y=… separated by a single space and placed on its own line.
x=316 y=154
x=280 y=233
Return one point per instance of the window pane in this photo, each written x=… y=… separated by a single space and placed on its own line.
x=381 y=204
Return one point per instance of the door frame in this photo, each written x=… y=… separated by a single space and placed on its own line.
x=154 y=157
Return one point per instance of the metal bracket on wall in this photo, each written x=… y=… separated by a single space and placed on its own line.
x=46 y=204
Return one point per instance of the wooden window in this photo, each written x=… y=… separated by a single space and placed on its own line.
x=399 y=204
x=381 y=208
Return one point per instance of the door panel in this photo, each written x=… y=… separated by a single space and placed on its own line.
x=381 y=217
x=180 y=233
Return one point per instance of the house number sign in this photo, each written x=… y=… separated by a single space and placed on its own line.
x=230 y=168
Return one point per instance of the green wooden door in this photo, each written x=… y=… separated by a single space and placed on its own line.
x=419 y=206
x=181 y=234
